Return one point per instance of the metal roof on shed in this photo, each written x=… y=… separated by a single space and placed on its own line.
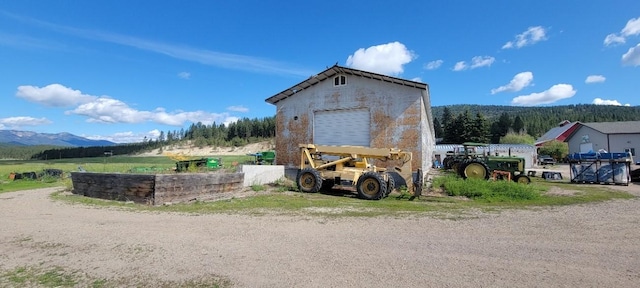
x=620 y=127
x=337 y=70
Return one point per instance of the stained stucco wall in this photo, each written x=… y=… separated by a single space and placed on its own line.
x=598 y=139
x=400 y=118
x=620 y=142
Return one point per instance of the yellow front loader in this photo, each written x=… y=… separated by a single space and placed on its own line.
x=325 y=167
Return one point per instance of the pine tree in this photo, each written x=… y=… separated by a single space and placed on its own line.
x=437 y=128
x=500 y=127
x=518 y=125
x=480 y=129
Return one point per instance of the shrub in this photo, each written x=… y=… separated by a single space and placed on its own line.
x=489 y=191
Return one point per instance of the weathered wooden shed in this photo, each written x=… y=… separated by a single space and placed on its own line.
x=345 y=106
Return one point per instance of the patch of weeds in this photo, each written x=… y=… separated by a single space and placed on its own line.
x=257 y=188
x=487 y=191
x=33 y=276
x=56 y=277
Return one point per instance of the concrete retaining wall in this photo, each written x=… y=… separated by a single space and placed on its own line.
x=261 y=174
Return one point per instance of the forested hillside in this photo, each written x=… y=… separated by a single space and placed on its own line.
x=239 y=133
x=538 y=120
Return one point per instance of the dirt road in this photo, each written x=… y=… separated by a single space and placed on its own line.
x=593 y=245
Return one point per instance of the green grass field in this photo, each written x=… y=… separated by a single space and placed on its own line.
x=459 y=195
x=115 y=164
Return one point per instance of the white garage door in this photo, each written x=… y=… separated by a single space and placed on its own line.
x=342 y=127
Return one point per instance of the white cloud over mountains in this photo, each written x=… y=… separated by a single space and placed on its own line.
x=20 y=121
x=54 y=95
x=104 y=109
x=519 y=82
x=599 y=101
x=555 y=93
x=387 y=59
x=531 y=36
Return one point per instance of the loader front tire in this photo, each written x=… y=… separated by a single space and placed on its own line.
x=309 y=180
x=391 y=184
x=371 y=186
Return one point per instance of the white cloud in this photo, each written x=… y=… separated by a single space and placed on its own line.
x=108 y=110
x=184 y=75
x=417 y=79
x=476 y=62
x=126 y=137
x=519 y=82
x=178 y=51
x=238 y=109
x=631 y=29
x=461 y=65
x=385 y=59
x=481 y=61
x=54 y=95
x=433 y=65
x=555 y=93
x=532 y=36
x=613 y=39
x=632 y=57
x=595 y=79
x=599 y=101
x=20 y=121
x=105 y=109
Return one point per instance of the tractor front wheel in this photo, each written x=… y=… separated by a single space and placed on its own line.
x=309 y=180
x=371 y=186
x=523 y=179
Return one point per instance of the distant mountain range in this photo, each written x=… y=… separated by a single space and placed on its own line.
x=29 y=138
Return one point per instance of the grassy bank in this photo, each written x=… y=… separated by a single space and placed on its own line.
x=116 y=164
x=282 y=199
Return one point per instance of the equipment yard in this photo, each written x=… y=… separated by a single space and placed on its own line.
x=588 y=245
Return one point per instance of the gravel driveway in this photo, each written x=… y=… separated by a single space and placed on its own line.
x=594 y=245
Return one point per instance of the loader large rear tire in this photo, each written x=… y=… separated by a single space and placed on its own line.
x=371 y=186
x=309 y=180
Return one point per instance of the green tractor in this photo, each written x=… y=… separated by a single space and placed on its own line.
x=483 y=165
x=455 y=157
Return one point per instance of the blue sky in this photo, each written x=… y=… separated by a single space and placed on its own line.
x=122 y=70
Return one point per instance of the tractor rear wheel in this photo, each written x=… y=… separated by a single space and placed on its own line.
x=460 y=168
x=309 y=180
x=455 y=165
x=475 y=169
x=523 y=179
x=446 y=163
x=371 y=186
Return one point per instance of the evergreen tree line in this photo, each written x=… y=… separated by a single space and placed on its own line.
x=21 y=152
x=538 y=120
x=239 y=133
